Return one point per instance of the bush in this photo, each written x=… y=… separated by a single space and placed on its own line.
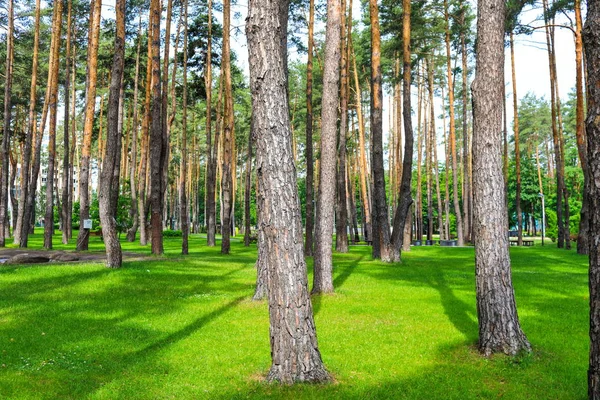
x=172 y=233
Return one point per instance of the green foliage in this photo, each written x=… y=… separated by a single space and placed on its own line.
x=172 y=233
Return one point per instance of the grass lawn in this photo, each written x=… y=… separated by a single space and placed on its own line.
x=186 y=328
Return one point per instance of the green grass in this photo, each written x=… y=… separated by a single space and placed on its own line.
x=185 y=328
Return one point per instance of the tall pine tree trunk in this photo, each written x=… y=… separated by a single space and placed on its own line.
x=228 y=169
x=457 y=212
x=517 y=143
x=22 y=227
x=323 y=269
x=294 y=348
x=183 y=201
x=7 y=120
x=341 y=215
x=211 y=150
x=157 y=140
x=310 y=207
x=591 y=39
x=499 y=328
x=109 y=182
x=381 y=235
x=402 y=223
x=52 y=105
x=90 y=105
x=67 y=180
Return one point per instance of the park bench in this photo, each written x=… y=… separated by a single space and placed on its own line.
x=526 y=242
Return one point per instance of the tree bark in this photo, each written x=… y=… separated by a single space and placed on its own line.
x=381 y=236
x=323 y=264
x=517 y=144
x=22 y=227
x=402 y=214
x=157 y=140
x=591 y=39
x=310 y=206
x=457 y=212
x=67 y=179
x=211 y=154
x=183 y=201
x=90 y=105
x=110 y=165
x=467 y=192
x=499 y=328
x=341 y=216
x=134 y=211
x=52 y=105
x=228 y=169
x=7 y=117
x=294 y=348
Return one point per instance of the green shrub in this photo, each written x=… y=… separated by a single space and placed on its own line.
x=172 y=233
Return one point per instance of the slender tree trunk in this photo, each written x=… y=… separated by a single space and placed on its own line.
x=323 y=265
x=157 y=141
x=457 y=212
x=110 y=167
x=499 y=328
x=556 y=139
x=420 y=135
x=18 y=231
x=591 y=39
x=211 y=177
x=248 y=187
x=294 y=348
x=583 y=243
x=143 y=167
x=310 y=207
x=341 y=216
x=430 y=145
x=183 y=202
x=517 y=142
x=90 y=104
x=134 y=210
x=467 y=192
x=53 y=104
x=7 y=121
x=382 y=234
x=66 y=181
x=228 y=169
x=363 y=169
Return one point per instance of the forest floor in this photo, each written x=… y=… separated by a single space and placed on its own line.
x=186 y=327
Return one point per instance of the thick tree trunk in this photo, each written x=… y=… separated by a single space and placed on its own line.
x=499 y=328
x=294 y=347
x=323 y=265
x=381 y=236
x=591 y=38
x=109 y=182
x=157 y=140
x=402 y=224
x=341 y=215
x=53 y=104
x=90 y=104
x=4 y=156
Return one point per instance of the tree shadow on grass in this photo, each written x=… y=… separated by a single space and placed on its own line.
x=338 y=281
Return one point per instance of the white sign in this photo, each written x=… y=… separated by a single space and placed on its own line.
x=87 y=224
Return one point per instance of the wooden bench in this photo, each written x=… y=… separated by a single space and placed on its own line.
x=526 y=242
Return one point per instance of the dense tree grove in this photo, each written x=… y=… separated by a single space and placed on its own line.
x=142 y=119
